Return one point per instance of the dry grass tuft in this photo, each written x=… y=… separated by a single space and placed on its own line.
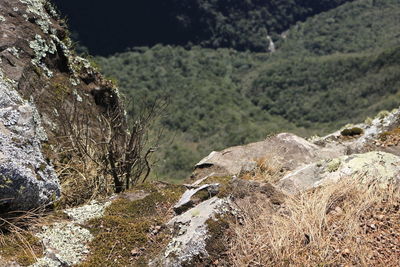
x=343 y=224
x=269 y=169
x=17 y=243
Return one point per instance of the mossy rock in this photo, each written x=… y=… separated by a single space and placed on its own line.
x=128 y=226
x=383 y=114
x=225 y=188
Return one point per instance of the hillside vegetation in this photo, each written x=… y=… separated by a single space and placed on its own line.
x=337 y=67
x=242 y=25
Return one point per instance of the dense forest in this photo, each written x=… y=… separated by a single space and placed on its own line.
x=242 y=25
x=336 y=67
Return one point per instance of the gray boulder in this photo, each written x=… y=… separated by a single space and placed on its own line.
x=288 y=150
x=27 y=180
x=190 y=233
x=383 y=168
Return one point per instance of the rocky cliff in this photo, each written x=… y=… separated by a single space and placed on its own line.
x=333 y=198
x=282 y=201
x=53 y=106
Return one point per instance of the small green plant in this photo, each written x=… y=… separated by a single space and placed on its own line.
x=383 y=114
x=352 y=131
x=368 y=121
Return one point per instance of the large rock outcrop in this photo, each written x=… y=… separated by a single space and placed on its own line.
x=50 y=100
x=27 y=180
x=289 y=150
x=380 y=167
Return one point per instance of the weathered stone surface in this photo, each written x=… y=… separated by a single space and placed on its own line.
x=26 y=179
x=289 y=150
x=380 y=167
x=187 y=200
x=190 y=233
x=65 y=243
x=372 y=128
x=47 y=95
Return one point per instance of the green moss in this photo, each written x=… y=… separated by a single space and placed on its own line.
x=202 y=195
x=129 y=225
x=225 y=184
x=20 y=247
x=352 y=131
x=216 y=228
x=60 y=90
x=216 y=245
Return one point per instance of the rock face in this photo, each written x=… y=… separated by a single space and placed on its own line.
x=47 y=96
x=308 y=164
x=191 y=232
x=289 y=150
x=27 y=180
x=380 y=167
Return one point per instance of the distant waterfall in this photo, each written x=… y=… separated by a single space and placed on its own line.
x=271 y=46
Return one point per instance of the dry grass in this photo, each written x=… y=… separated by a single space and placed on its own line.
x=82 y=180
x=269 y=169
x=344 y=224
x=17 y=243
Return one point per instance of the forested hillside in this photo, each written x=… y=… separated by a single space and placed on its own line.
x=334 y=68
x=242 y=25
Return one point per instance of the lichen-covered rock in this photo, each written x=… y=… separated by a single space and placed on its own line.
x=48 y=94
x=27 y=180
x=190 y=233
x=187 y=201
x=65 y=243
x=87 y=212
x=379 y=167
x=362 y=133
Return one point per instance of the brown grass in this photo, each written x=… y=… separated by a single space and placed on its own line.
x=17 y=243
x=268 y=169
x=343 y=224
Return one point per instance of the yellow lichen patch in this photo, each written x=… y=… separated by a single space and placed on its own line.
x=333 y=165
x=131 y=232
x=379 y=165
x=21 y=247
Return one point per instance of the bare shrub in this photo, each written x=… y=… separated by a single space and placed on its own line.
x=341 y=224
x=128 y=157
x=97 y=156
